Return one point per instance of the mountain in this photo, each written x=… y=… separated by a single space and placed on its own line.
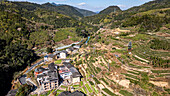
x=110 y=9
x=82 y=11
x=57 y=4
x=85 y=12
x=63 y=9
x=156 y=4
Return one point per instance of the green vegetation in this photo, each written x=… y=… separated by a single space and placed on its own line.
x=136 y=73
x=160 y=71
x=110 y=9
x=63 y=33
x=81 y=83
x=132 y=80
x=75 y=86
x=96 y=91
x=155 y=94
x=88 y=88
x=160 y=44
x=98 y=69
x=24 y=90
x=109 y=92
x=49 y=50
x=63 y=86
x=95 y=79
x=136 y=66
x=91 y=82
x=58 y=62
x=146 y=22
x=159 y=62
x=104 y=81
x=84 y=90
x=103 y=94
x=125 y=93
x=132 y=76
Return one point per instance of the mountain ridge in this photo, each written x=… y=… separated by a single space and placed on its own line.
x=84 y=12
x=110 y=9
x=64 y=9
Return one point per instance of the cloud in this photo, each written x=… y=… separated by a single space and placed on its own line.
x=122 y=6
x=82 y=4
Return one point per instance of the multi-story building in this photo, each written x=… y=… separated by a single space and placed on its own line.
x=69 y=73
x=48 y=79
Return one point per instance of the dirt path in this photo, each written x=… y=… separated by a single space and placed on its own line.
x=141 y=58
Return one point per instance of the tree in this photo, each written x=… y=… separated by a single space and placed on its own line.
x=49 y=50
x=24 y=90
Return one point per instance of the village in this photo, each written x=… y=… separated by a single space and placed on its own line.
x=94 y=69
x=51 y=72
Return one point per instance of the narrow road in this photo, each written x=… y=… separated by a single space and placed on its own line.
x=34 y=66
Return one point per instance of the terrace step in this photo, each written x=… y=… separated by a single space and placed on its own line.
x=132 y=74
x=132 y=78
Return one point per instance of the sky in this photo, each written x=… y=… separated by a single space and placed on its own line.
x=94 y=5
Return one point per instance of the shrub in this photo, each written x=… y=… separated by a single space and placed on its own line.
x=91 y=82
x=109 y=92
x=95 y=79
x=125 y=93
x=104 y=81
x=99 y=69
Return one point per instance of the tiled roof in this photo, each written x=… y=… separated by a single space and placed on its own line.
x=22 y=79
x=67 y=64
x=51 y=66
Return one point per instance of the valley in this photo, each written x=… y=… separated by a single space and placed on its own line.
x=54 y=49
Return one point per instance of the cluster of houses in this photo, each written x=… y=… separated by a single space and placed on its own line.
x=51 y=77
x=62 y=54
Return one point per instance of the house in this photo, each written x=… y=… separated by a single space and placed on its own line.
x=49 y=78
x=75 y=51
x=65 y=74
x=48 y=57
x=45 y=58
x=63 y=54
x=39 y=70
x=69 y=50
x=75 y=76
x=22 y=79
x=75 y=93
x=77 y=46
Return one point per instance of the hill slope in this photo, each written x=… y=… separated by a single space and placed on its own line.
x=63 y=9
x=85 y=12
x=110 y=9
x=156 y=4
x=82 y=11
